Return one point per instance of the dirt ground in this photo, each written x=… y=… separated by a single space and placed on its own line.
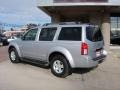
x=25 y=76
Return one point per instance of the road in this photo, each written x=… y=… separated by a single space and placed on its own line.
x=25 y=76
x=3 y=54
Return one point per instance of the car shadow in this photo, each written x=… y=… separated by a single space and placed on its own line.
x=83 y=70
x=75 y=70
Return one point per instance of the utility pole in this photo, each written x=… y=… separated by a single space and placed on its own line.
x=0 y=28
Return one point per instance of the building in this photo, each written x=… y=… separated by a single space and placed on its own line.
x=105 y=13
x=13 y=33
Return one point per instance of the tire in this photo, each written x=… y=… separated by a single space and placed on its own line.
x=13 y=55
x=60 y=66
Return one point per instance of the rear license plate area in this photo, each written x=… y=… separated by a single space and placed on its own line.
x=98 y=53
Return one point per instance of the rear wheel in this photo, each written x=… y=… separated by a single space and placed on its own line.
x=60 y=66
x=13 y=55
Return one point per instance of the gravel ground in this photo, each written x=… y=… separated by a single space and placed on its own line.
x=25 y=76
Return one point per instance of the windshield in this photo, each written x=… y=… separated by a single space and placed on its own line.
x=94 y=34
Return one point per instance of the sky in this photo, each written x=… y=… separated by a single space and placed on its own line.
x=21 y=12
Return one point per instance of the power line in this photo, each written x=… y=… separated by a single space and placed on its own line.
x=10 y=25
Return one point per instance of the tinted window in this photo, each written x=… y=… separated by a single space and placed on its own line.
x=47 y=34
x=94 y=34
x=70 y=33
x=30 y=35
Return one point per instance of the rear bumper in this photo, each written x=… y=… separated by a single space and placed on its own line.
x=99 y=58
x=94 y=62
x=88 y=62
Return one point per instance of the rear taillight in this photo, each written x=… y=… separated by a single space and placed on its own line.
x=84 y=49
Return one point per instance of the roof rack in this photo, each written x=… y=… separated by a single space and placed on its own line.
x=62 y=23
x=67 y=23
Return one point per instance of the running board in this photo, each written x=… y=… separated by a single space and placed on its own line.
x=36 y=62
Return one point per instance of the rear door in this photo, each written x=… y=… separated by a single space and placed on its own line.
x=45 y=42
x=95 y=41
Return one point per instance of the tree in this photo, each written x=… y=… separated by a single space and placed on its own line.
x=29 y=26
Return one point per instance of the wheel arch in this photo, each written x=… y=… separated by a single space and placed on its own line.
x=63 y=52
x=16 y=47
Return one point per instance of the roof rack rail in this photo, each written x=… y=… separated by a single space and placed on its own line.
x=46 y=24
x=67 y=23
x=62 y=23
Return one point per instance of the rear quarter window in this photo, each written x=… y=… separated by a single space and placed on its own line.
x=70 y=34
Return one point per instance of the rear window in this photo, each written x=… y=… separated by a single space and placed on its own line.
x=70 y=34
x=94 y=34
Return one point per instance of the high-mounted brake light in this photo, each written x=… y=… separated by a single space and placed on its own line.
x=84 y=49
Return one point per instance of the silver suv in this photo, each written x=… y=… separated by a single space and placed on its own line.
x=60 y=46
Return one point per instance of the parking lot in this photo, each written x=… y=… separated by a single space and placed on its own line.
x=25 y=76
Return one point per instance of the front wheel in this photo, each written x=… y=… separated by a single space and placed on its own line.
x=60 y=66
x=13 y=55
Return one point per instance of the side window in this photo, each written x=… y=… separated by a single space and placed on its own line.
x=47 y=34
x=70 y=33
x=30 y=35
